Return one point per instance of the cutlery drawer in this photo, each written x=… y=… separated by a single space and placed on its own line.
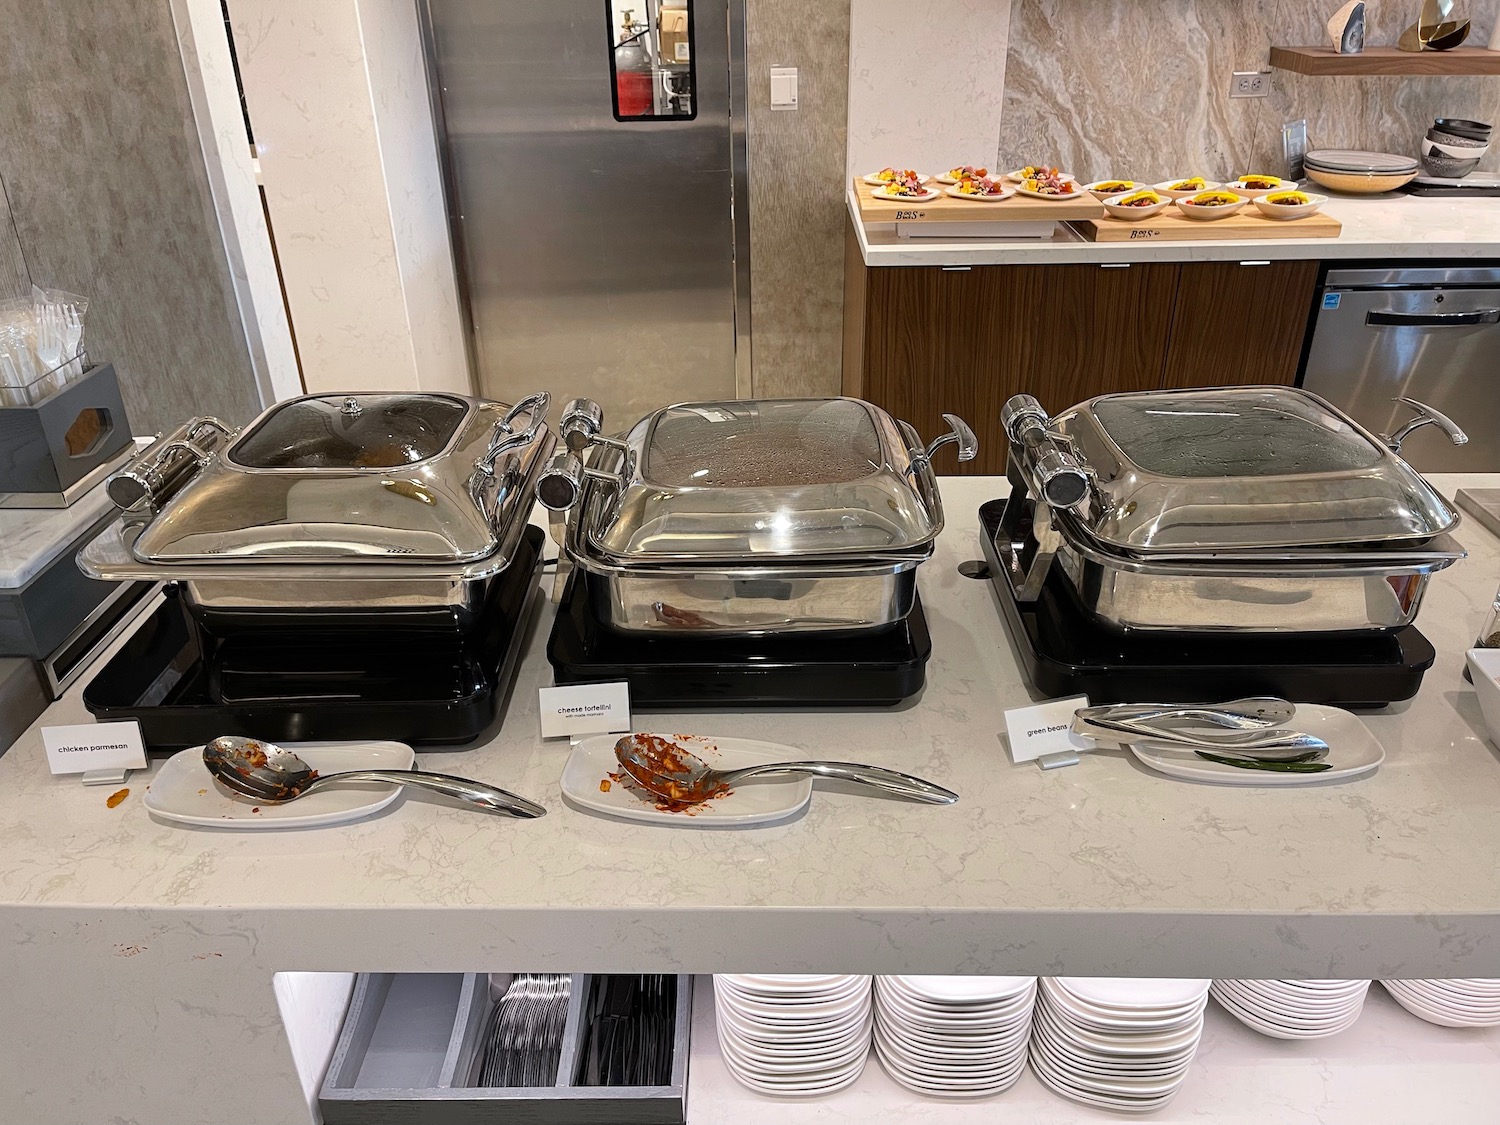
x=413 y=1043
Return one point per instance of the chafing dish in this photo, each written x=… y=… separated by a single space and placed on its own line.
x=1246 y=509
x=391 y=504
x=745 y=517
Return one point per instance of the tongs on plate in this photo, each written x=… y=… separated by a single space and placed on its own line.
x=1251 y=735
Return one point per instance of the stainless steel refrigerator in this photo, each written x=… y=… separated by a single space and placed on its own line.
x=1428 y=333
x=594 y=158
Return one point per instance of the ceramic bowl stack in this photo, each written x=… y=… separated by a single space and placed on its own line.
x=954 y=1037
x=1293 y=1009
x=1118 y=1043
x=794 y=1036
x=1453 y=147
x=1359 y=173
x=1471 y=1002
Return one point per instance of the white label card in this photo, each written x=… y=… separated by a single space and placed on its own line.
x=585 y=709
x=94 y=746
x=1044 y=729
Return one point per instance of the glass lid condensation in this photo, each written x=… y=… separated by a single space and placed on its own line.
x=374 y=431
x=1249 y=468
x=795 y=477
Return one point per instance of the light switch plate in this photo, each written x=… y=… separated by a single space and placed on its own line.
x=783 y=87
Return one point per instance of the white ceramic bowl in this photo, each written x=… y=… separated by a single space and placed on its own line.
x=1166 y=188
x=1208 y=214
x=1117 y=208
x=1484 y=666
x=1239 y=188
x=1105 y=189
x=1290 y=210
x=1475 y=152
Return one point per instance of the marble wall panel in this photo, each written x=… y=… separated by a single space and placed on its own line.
x=110 y=199
x=796 y=161
x=1128 y=87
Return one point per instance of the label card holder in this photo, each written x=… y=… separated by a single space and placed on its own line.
x=102 y=752
x=1044 y=732
x=583 y=709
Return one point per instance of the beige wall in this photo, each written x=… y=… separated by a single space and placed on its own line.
x=1138 y=89
x=796 y=196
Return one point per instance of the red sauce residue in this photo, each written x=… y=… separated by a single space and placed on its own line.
x=666 y=758
x=256 y=809
x=604 y=785
x=114 y=799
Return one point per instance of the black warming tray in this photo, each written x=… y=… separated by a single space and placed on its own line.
x=1063 y=652
x=879 y=667
x=185 y=686
x=409 y=1047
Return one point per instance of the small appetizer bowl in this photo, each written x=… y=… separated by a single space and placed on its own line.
x=1212 y=204
x=1170 y=189
x=1289 y=204
x=1104 y=189
x=1116 y=205
x=1019 y=176
x=1252 y=187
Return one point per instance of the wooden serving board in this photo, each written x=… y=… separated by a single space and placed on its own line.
x=1247 y=223
x=945 y=209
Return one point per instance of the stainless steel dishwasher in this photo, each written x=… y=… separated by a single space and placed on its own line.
x=1432 y=334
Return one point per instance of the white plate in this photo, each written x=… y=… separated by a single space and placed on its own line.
x=1054 y=198
x=795 y=984
x=1134 y=994
x=756 y=802
x=874 y=180
x=963 y=990
x=185 y=792
x=927 y=196
x=1016 y=178
x=1004 y=194
x=1352 y=751
x=945 y=178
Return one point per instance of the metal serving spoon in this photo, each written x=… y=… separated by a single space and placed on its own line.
x=1251 y=713
x=275 y=775
x=667 y=770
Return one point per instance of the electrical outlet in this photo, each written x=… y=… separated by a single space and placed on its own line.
x=1250 y=84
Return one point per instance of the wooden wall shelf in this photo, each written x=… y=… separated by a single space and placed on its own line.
x=1324 y=61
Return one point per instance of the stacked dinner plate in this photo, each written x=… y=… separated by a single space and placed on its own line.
x=1469 y=1002
x=1358 y=172
x=794 y=1035
x=1293 y=1009
x=954 y=1037
x=1117 y=1043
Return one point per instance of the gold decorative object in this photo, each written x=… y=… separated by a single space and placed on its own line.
x=1347 y=28
x=1435 y=29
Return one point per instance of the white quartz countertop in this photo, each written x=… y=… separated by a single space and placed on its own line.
x=1387 y=227
x=30 y=538
x=1103 y=868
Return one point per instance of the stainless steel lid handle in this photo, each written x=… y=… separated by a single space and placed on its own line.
x=582 y=420
x=157 y=472
x=1021 y=413
x=505 y=438
x=1053 y=472
x=1060 y=480
x=1426 y=416
x=561 y=483
x=959 y=433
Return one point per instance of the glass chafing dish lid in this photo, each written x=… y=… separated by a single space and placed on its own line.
x=769 y=478
x=1243 y=468
x=338 y=478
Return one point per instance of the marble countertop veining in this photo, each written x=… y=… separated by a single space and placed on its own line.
x=30 y=538
x=1391 y=226
x=1100 y=868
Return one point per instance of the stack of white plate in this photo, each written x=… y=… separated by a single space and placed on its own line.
x=1293 y=1009
x=954 y=1037
x=1117 y=1043
x=1468 y=1002
x=794 y=1035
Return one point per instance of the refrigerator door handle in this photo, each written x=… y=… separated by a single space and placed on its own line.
x=1432 y=320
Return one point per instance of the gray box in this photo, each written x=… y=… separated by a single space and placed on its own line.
x=37 y=616
x=411 y=1042
x=34 y=453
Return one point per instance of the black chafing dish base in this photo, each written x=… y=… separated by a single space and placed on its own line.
x=878 y=667
x=1064 y=653
x=425 y=689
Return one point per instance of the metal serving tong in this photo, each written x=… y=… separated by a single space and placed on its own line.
x=1252 y=730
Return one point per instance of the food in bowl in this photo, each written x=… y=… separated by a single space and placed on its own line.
x=1192 y=183
x=1134 y=206
x=1290 y=204
x=1211 y=199
x=1288 y=198
x=967 y=172
x=1144 y=198
x=1259 y=183
x=1049 y=181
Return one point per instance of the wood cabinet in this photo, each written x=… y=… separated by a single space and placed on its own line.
x=924 y=340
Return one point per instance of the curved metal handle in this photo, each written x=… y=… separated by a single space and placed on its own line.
x=891 y=781
x=1426 y=416
x=1432 y=320
x=505 y=439
x=475 y=793
x=959 y=433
